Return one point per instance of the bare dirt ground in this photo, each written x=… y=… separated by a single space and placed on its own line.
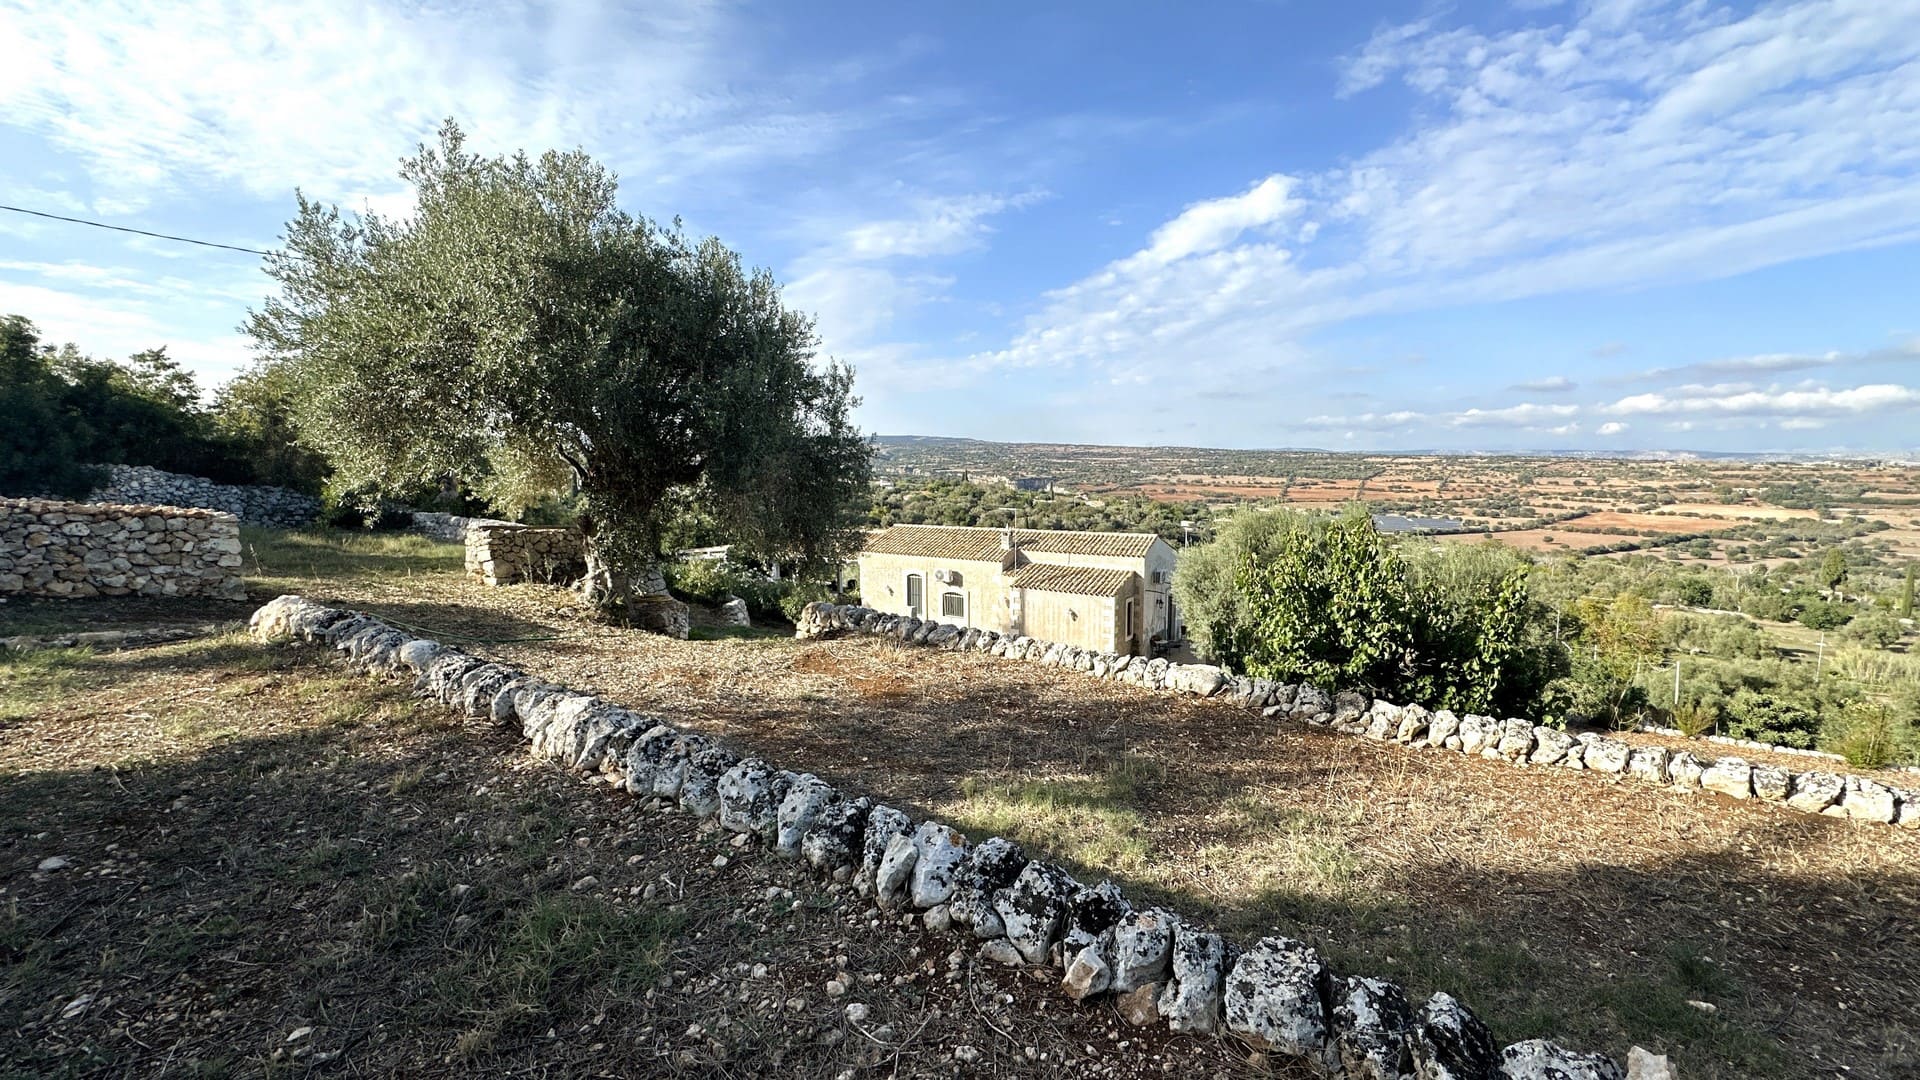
x=224 y=860
x=1555 y=903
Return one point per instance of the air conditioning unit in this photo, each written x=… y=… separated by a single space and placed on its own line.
x=943 y=576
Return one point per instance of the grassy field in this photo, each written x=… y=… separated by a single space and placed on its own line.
x=260 y=844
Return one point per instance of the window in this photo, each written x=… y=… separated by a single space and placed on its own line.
x=915 y=593
x=1129 y=630
x=953 y=605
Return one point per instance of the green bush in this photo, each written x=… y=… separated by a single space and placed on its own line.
x=1825 y=615
x=1876 y=629
x=1771 y=718
x=1333 y=602
x=1870 y=734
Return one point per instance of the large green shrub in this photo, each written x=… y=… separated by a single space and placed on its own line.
x=1771 y=718
x=1332 y=601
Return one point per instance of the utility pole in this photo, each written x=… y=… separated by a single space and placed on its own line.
x=1676 y=682
x=1820 y=658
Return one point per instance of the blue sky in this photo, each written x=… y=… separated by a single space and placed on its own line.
x=1402 y=225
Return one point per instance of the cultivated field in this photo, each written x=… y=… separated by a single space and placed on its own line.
x=1555 y=903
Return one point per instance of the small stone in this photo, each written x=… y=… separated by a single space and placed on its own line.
x=856 y=1012
x=586 y=884
x=719 y=862
x=299 y=1033
x=1140 y=1006
x=1645 y=1065
x=55 y=862
x=966 y=1054
x=1538 y=1059
x=1087 y=975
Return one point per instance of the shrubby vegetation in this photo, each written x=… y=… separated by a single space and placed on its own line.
x=63 y=412
x=1484 y=628
x=962 y=502
x=1333 y=601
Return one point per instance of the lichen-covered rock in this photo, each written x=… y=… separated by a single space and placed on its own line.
x=1191 y=999
x=608 y=732
x=1684 y=770
x=1311 y=704
x=750 y=795
x=1276 y=997
x=1350 y=711
x=1607 y=755
x=1448 y=1042
x=1414 y=722
x=643 y=757
x=1866 y=800
x=1649 y=763
x=1142 y=948
x=1091 y=915
x=883 y=824
x=1908 y=814
x=936 y=868
x=1516 y=740
x=1372 y=1029
x=1813 y=792
x=990 y=866
x=1478 y=733
x=807 y=795
x=1441 y=726
x=700 y=776
x=893 y=878
x=1550 y=745
x=1382 y=721
x=1771 y=783
x=834 y=840
x=1538 y=1059
x=1729 y=776
x=670 y=775
x=1034 y=909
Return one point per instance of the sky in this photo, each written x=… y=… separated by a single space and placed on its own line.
x=1605 y=225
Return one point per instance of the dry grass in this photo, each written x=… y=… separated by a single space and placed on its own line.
x=1556 y=903
x=276 y=869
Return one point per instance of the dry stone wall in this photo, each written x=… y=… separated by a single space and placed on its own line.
x=1277 y=994
x=501 y=553
x=277 y=507
x=50 y=548
x=449 y=527
x=1517 y=741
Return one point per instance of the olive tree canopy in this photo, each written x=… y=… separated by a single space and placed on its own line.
x=521 y=334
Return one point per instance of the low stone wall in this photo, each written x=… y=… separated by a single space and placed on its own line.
x=1518 y=741
x=1277 y=994
x=501 y=553
x=450 y=527
x=277 y=507
x=50 y=548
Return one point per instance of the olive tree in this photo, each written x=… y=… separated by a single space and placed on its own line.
x=519 y=332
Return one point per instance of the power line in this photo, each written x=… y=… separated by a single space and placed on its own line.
x=136 y=232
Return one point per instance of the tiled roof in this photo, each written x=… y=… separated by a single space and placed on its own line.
x=1078 y=580
x=983 y=545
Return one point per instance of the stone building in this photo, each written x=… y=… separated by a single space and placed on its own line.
x=1105 y=591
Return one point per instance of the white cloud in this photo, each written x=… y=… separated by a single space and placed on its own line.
x=1737 y=400
x=1215 y=223
x=1612 y=427
x=1552 y=384
x=158 y=100
x=940 y=227
x=1552 y=419
x=1630 y=145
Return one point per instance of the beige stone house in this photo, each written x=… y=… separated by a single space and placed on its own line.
x=1104 y=591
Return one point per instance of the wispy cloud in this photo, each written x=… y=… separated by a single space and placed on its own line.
x=1552 y=384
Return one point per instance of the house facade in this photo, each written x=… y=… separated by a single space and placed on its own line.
x=1110 y=592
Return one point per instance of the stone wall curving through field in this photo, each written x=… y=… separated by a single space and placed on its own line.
x=1518 y=741
x=65 y=549
x=1277 y=994
x=276 y=507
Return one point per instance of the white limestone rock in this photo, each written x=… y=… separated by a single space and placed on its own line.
x=1684 y=770
x=833 y=841
x=1191 y=1000
x=1089 y=974
x=990 y=866
x=700 y=775
x=1730 y=776
x=807 y=796
x=1441 y=726
x=1538 y=1059
x=941 y=850
x=1034 y=909
x=1649 y=763
x=1142 y=948
x=750 y=795
x=1814 y=792
x=1550 y=746
x=1607 y=755
x=1372 y=1029
x=1516 y=740
x=1448 y=1042
x=1868 y=800
x=1276 y=998
x=884 y=823
x=893 y=879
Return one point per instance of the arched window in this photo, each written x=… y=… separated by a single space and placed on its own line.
x=953 y=605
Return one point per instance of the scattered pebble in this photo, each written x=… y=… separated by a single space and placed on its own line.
x=55 y=862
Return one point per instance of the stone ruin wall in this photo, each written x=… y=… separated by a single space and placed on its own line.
x=1278 y=994
x=276 y=507
x=503 y=553
x=1514 y=740
x=66 y=549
